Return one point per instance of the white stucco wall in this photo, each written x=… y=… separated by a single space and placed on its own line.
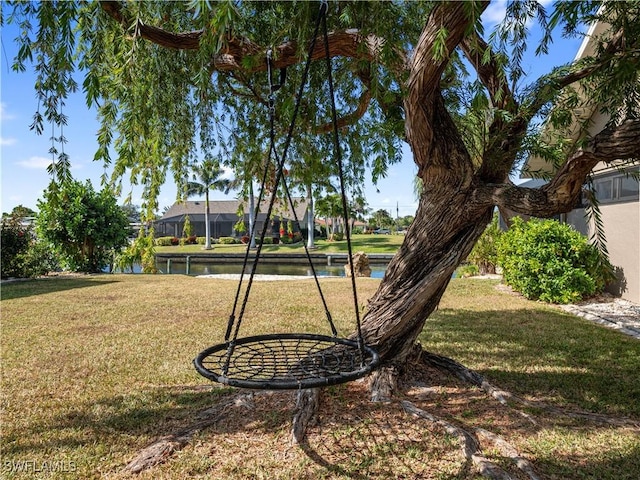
x=622 y=224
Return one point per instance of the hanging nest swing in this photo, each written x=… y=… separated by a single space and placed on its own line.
x=286 y=361
x=290 y=360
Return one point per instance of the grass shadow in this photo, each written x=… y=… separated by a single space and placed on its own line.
x=543 y=353
x=150 y=413
x=609 y=464
x=359 y=439
x=27 y=288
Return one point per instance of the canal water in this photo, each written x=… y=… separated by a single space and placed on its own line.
x=200 y=268
x=204 y=268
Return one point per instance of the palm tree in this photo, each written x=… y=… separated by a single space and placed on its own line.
x=207 y=177
x=330 y=207
x=359 y=210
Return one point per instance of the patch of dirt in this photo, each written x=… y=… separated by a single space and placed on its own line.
x=352 y=437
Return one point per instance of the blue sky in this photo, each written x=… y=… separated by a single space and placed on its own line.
x=24 y=155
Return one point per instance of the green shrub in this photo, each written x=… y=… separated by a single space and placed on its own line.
x=190 y=240
x=267 y=241
x=549 y=261
x=202 y=240
x=227 y=241
x=22 y=255
x=84 y=227
x=468 y=270
x=164 y=241
x=40 y=259
x=15 y=243
x=485 y=252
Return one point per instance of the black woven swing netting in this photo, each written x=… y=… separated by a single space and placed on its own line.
x=290 y=361
x=286 y=361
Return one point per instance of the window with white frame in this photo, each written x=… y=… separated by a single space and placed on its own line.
x=617 y=187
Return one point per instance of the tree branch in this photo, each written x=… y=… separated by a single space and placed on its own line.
x=490 y=73
x=176 y=41
x=346 y=43
x=349 y=119
x=506 y=137
x=553 y=84
x=424 y=107
x=425 y=68
x=254 y=93
x=617 y=142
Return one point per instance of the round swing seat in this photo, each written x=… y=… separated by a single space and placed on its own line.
x=287 y=361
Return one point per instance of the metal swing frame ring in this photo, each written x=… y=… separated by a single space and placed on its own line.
x=287 y=361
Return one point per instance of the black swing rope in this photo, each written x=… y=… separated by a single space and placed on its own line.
x=280 y=162
x=289 y=361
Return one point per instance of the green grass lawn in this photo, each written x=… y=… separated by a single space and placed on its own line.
x=366 y=243
x=94 y=368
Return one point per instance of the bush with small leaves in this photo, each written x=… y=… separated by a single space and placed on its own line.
x=84 y=227
x=202 y=240
x=227 y=241
x=468 y=270
x=164 y=241
x=23 y=256
x=485 y=252
x=15 y=243
x=550 y=261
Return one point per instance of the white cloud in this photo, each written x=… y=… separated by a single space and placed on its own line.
x=3 y=112
x=35 y=163
x=41 y=163
x=227 y=172
x=7 y=142
x=494 y=13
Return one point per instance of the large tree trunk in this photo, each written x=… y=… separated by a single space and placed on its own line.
x=446 y=224
x=439 y=239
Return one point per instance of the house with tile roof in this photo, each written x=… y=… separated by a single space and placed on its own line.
x=224 y=215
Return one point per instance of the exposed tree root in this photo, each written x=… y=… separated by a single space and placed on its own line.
x=382 y=384
x=160 y=450
x=468 y=444
x=504 y=397
x=307 y=402
x=508 y=450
